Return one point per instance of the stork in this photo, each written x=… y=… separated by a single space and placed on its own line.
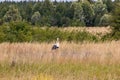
x=56 y=45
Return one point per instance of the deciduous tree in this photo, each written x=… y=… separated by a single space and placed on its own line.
x=35 y=18
x=12 y=14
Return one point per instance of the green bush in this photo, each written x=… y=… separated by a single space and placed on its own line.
x=49 y=35
x=21 y=32
x=115 y=23
x=111 y=36
x=16 y=32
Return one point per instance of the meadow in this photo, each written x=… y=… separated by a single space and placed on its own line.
x=72 y=61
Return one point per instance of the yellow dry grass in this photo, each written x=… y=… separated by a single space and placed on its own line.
x=42 y=77
x=93 y=30
x=107 y=52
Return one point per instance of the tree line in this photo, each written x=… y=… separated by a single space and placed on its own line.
x=61 y=14
x=21 y=21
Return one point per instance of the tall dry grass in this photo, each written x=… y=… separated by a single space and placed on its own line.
x=101 y=53
x=72 y=61
x=99 y=31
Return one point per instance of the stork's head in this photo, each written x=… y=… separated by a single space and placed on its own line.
x=57 y=39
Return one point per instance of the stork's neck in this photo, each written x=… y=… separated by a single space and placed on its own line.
x=57 y=41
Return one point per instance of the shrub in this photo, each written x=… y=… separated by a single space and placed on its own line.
x=49 y=35
x=18 y=32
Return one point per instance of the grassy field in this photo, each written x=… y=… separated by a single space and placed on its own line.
x=99 y=31
x=89 y=29
x=72 y=61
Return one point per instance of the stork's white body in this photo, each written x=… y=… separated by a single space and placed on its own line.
x=56 y=45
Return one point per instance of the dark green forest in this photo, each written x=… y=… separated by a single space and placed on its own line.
x=61 y=14
x=18 y=19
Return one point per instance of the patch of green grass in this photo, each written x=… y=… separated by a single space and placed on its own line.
x=61 y=71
